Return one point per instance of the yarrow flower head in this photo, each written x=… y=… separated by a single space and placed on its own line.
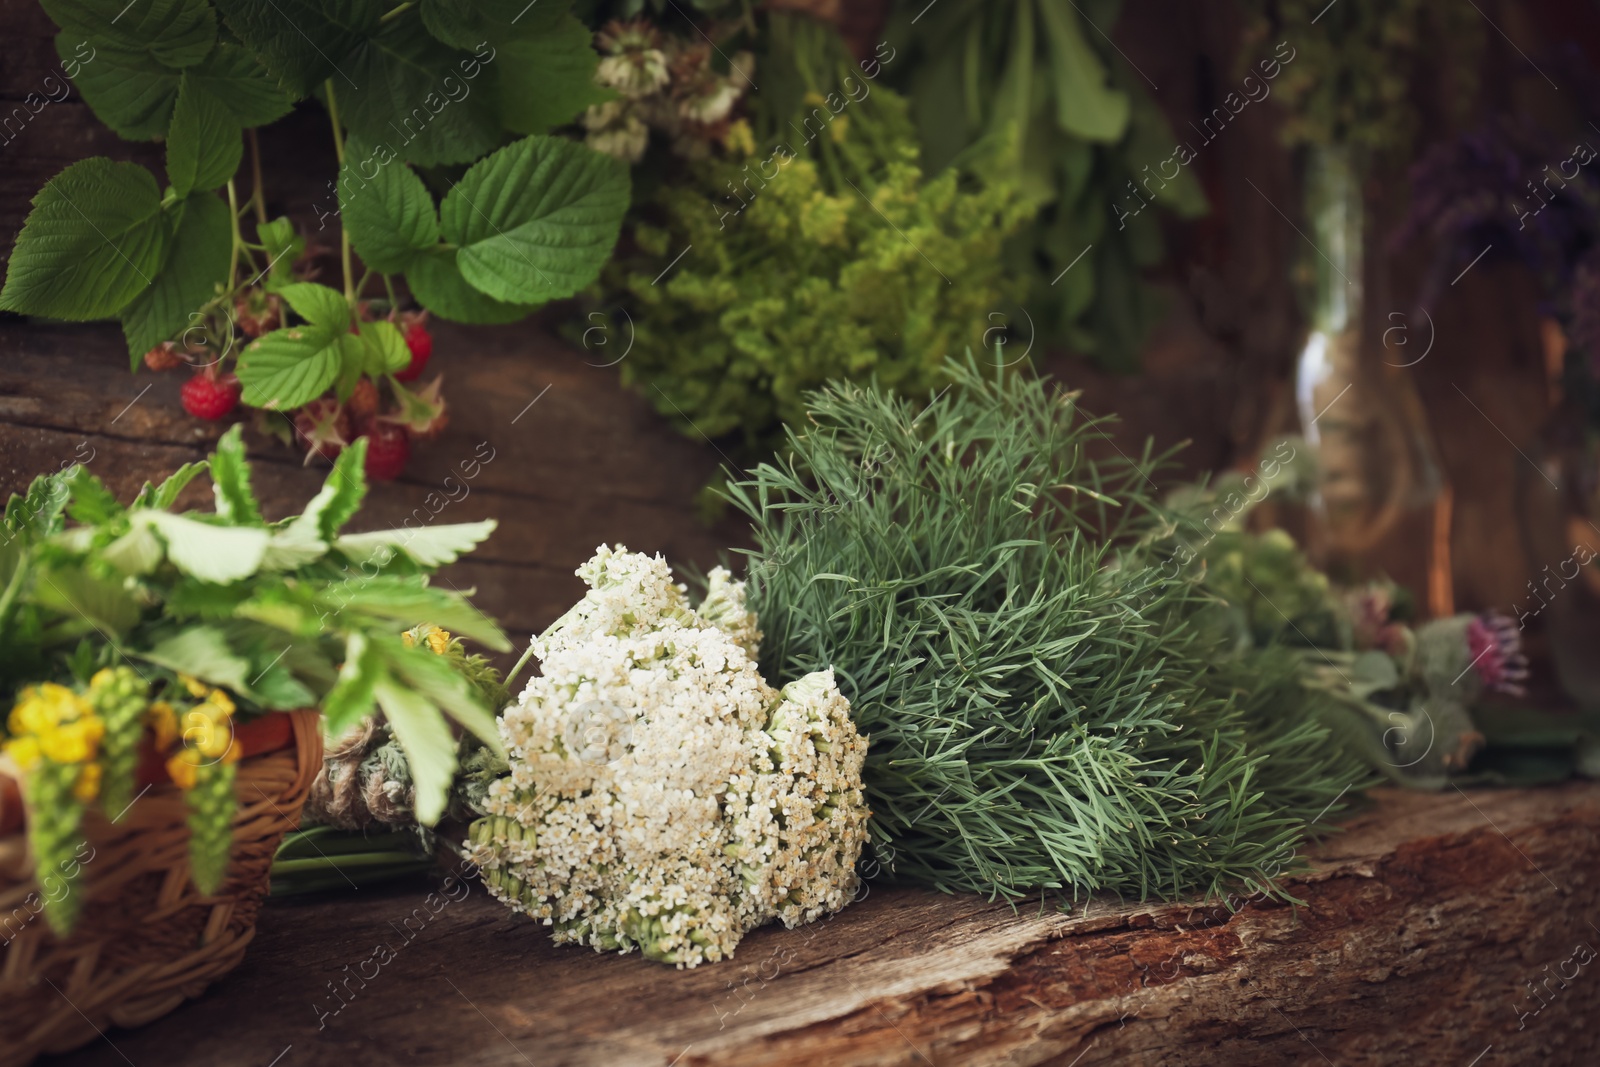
x=662 y=796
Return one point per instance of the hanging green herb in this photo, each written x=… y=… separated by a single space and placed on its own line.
x=814 y=250
x=1092 y=141
x=1354 y=83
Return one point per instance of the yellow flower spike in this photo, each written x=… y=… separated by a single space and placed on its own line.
x=24 y=751
x=87 y=787
x=438 y=640
x=221 y=701
x=73 y=742
x=182 y=769
x=163 y=719
x=407 y=640
x=195 y=687
x=102 y=677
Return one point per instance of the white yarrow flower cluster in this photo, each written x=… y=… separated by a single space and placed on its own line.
x=662 y=795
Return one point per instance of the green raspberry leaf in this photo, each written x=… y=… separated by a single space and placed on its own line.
x=37 y=513
x=318 y=305
x=386 y=349
x=434 y=678
x=102 y=603
x=429 y=546
x=340 y=496
x=536 y=220
x=472 y=23
x=285 y=368
x=175 y=33
x=202 y=652
x=163 y=496
x=203 y=145
x=230 y=481
x=131 y=93
x=436 y=282
x=96 y=236
x=195 y=267
x=304 y=42
x=410 y=97
x=404 y=600
x=233 y=77
x=425 y=738
x=547 y=80
x=390 y=217
x=350 y=699
x=219 y=554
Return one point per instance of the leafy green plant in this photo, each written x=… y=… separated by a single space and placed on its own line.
x=1357 y=85
x=1046 y=712
x=802 y=278
x=431 y=84
x=244 y=614
x=1090 y=138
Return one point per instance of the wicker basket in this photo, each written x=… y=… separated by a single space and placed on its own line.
x=146 y=940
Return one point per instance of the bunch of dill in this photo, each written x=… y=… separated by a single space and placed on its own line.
x=1047 y=708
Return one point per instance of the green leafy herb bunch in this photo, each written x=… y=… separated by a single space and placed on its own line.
x=127 y=621
x=802 y=264
x=1095 y=151
x=1046 y=713
x=198 y=274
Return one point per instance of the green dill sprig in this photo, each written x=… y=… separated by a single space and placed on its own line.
x=1047 y=706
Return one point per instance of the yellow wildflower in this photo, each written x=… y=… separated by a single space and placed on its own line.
x=221 y=701
x=195 y=687
x=87 y=787
x=183 y=768
x=24 y=751
x=206 y=731
x=102 y=677
x=437 y=640
x=73 y=742
x=43 y=706
x=164 y=721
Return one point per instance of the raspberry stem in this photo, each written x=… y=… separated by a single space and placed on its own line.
x=338 y=150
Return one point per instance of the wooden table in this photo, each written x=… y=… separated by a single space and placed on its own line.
x=1422 y=925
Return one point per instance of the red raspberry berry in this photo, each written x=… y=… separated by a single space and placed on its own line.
x=363 y=402
x=257 y=312
x=163 y=356
x=420 y=341
x=387 y=451
x=209 y=396
x=322 y=428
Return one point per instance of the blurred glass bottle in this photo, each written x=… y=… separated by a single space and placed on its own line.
x=1379 y=504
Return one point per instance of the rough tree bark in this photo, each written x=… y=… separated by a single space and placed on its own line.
x=1421 y=927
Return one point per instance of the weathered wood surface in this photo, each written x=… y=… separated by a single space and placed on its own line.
x=1422 y=926
x=550 y=445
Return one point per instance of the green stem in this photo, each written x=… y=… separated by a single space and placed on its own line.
x=521 y=663
x=388 y=285
x=238 y=238
x=258 y=196
x=338 y=149
x=350 y=860
x=396 y=13
x=361 y=286
x=13 y=587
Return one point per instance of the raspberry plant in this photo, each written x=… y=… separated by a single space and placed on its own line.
x=467 y=89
